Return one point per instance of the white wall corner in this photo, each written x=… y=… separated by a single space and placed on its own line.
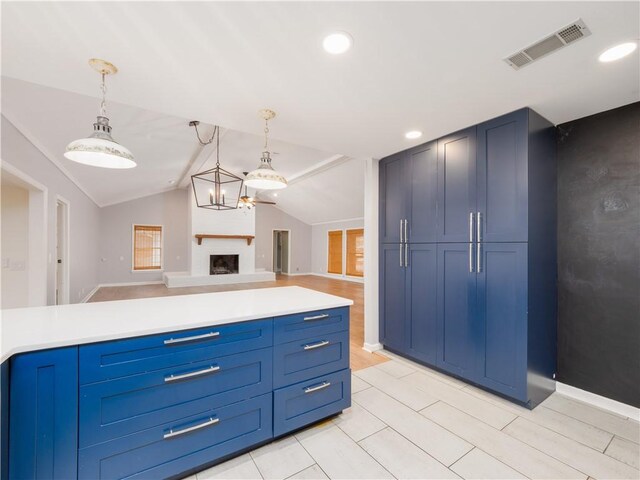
x=371 y=325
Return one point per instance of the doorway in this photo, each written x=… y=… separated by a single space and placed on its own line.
x=62 y=251
x=24 y=240
x=281 y=253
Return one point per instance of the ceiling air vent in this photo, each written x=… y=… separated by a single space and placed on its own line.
x=556 y=41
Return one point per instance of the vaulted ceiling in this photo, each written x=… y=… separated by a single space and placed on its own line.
x=430 y=66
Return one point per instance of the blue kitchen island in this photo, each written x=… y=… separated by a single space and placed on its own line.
x=164 y=387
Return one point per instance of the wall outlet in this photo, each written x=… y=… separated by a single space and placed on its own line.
x=121 y=258
x=297 y=269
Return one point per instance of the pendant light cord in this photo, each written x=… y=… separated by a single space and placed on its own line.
x=207 y=142
x=266 y=134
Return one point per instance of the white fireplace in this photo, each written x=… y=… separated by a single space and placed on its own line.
x=224 y=223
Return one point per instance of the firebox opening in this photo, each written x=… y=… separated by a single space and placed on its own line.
x=223 y=264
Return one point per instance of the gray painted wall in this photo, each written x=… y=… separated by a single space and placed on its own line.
x=169 y=209
x=269 y=218
x=84 y=214
x=599 y=253
x=320 y=247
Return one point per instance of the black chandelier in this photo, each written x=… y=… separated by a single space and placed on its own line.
x=217 y=188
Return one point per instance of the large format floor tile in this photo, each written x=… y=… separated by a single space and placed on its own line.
x=401 y=391
x=474 y=433
x=338 y=455
x=438 y=442
x=616 y=424
x=402 y=458
x=514 y=453
x=625 y=451
x=281 y=459
x=478 y=465
x=582 y=458
x=239 y=468
x=482 y=410
x=358 y=423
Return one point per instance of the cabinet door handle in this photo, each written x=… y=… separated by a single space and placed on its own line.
x=400 y=251
x=197 y=373
x=406 y=237
x=406 y=254
x=471 y=221
x=479 y=258
x=172 y=341
x=323 y=385
x=479 y=227
x=174 y=433
x=316 y=317
x=311 y=346
x=401 y=230
x=471 y=258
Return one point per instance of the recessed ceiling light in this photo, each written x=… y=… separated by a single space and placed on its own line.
x=337 y=42
x=275 y=194
x=413 y=134
x=171 y=182
x=617 y=52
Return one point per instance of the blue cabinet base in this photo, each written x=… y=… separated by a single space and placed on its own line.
x=168 y=405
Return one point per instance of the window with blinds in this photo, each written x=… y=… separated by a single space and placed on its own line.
x=335 y=252
x=147 y=247
x=355 y=252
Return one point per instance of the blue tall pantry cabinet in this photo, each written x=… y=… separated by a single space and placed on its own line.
x=468 y=255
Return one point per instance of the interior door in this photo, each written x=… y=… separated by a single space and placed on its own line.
x=422 y=313
x=392 y=296
x=502 y=314
x=502 y=178
x=457 y=328
x=423 y=175
x=393 y=197
x=456 y=185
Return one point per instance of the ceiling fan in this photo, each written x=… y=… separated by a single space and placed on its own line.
x=249 y=202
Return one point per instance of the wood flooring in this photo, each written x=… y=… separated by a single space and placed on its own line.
x=352 y=290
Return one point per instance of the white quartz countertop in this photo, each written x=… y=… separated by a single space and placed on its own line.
x=40 y=328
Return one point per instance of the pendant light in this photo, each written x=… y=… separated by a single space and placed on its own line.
x=215 y=189
x=265 y=177
x=99 y=149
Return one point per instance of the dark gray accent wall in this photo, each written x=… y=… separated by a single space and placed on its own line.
x=599 y=253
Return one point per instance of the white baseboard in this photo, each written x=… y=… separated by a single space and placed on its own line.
x=372 y=347
x=131 y=284
x=339 y=277
x=297 y=274
x=598 y=401
x=90 y=294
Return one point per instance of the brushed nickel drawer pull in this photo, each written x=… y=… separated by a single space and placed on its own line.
x=174 y=433
x=197 y=373
x=316 y=317
x=191 y=339
x=316 y=388
x=311 y=346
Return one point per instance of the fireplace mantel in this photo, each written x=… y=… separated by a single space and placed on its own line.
x=200 y=236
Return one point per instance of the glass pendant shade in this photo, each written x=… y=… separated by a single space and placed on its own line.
x=99 y=149
x=265 y=177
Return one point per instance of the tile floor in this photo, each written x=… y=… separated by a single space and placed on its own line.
x=408 y=421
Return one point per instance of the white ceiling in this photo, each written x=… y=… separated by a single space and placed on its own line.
x=328 y=195
x=165 y=147
x=432 y=66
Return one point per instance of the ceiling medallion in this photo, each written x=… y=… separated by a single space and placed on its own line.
x=99 y=149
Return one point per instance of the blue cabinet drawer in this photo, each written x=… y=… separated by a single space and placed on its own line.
x=177 y=447
x=310 y=324
x=127 y=405
x=120 y=358
x=301 y=360
x=307 y=402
